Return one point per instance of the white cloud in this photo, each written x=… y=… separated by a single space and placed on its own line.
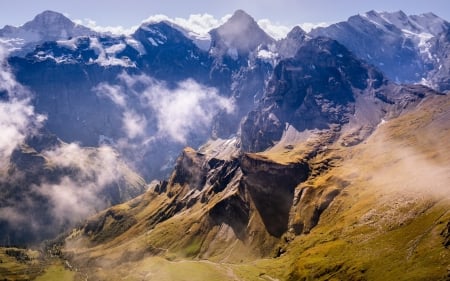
x=185 y=109
x=107 y=57
x=13 y=215
x=308 y=26
x=115 y=30
x=17 y=117
x=71 y=201
x=113 y=92
x=89 y=172
x=78 y=195
x=88 y=160
x=199 y=24
x=275 y=30
x=188 y=108
x=134 y=124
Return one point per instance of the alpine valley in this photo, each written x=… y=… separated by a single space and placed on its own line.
x=169 y=155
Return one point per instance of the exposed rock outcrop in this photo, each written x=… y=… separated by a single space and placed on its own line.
x=271 y=188
x=322 y=87
x=446 y=234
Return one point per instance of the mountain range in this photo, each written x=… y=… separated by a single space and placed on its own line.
x=317 y=156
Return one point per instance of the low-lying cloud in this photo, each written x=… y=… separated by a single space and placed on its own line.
x=77 y=182
x=17 y=116
x=187 y=108
x=411 y=171
x=80 y=194
x=42 y=192
x=115 y=30
x=134 y=124
x=199 y=25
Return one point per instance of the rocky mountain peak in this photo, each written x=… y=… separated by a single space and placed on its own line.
x=288 y=47
x=46 y=26
x=158 y=32
x=239 y=35
x=296 y=33
x=48 y=19
x=241 y=17
x=50 y=25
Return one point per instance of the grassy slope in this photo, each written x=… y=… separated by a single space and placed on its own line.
x=385 y=225
x=31 y=265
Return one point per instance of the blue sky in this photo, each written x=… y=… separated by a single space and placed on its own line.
x=128 y=13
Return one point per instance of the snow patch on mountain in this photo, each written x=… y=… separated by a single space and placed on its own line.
x=417 y=24
x=106 y=56
x=136 y=45
x=195 y=27
x=422 y=26
x=69 y=44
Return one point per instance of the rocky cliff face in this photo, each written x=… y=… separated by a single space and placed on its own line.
x=251 y=196
x=439 y=74
x=288 y=47
x=314 y=89
x=246 y=203
x=324 y=86
x=271 y=188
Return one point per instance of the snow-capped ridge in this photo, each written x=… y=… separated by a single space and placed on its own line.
x=416 y=24
x=201 y=40
x=46 y=26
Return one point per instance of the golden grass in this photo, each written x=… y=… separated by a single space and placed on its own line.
x=384 y=225
x=57 y=272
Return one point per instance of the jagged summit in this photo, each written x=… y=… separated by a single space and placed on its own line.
x=240 y=16
x=239 y=35
x=393 y=41
x=296 y=32
x=47 y=19
x=287 y=47
x=415 y=24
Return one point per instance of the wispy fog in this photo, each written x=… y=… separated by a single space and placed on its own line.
x=405 y=160
x=17 y=116
x=413 y=170
x=42 y=191
x=76 y=196
x=178 y=111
